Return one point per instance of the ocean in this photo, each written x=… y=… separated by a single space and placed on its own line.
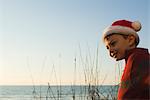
x=65 y=92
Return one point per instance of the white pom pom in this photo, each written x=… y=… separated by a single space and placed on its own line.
x=136 y=25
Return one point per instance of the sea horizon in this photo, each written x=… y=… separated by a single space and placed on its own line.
x=57 y=85
x=65 y=92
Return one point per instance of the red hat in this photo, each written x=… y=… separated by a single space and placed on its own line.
x=123 y=27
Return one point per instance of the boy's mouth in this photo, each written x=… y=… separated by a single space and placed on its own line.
x=114 y=55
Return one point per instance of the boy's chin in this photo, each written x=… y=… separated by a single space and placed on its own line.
x=117 y=59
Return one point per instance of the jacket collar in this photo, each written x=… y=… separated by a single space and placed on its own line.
x=135 y=50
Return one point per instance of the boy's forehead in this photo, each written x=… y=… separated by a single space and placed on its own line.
x=110 y=37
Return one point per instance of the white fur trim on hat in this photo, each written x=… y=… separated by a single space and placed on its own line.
x=119 y=30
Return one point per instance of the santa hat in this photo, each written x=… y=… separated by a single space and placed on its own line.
x=123 y=27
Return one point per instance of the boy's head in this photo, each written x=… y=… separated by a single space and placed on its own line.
x=120 y=37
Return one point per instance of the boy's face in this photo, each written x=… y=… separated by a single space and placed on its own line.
x=117 y=46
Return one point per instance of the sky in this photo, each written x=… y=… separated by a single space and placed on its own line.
x=56 y=41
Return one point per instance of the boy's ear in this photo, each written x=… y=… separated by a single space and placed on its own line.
x=131 y=39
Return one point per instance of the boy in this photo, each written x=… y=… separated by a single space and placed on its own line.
x=121 y=39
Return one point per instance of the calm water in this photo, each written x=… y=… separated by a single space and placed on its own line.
x=56 y=92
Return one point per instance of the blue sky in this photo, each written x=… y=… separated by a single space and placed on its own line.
x=37 y=34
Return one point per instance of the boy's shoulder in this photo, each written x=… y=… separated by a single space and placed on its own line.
x=138 y=53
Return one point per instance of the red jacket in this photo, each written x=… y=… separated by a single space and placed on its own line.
x=135 y=81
